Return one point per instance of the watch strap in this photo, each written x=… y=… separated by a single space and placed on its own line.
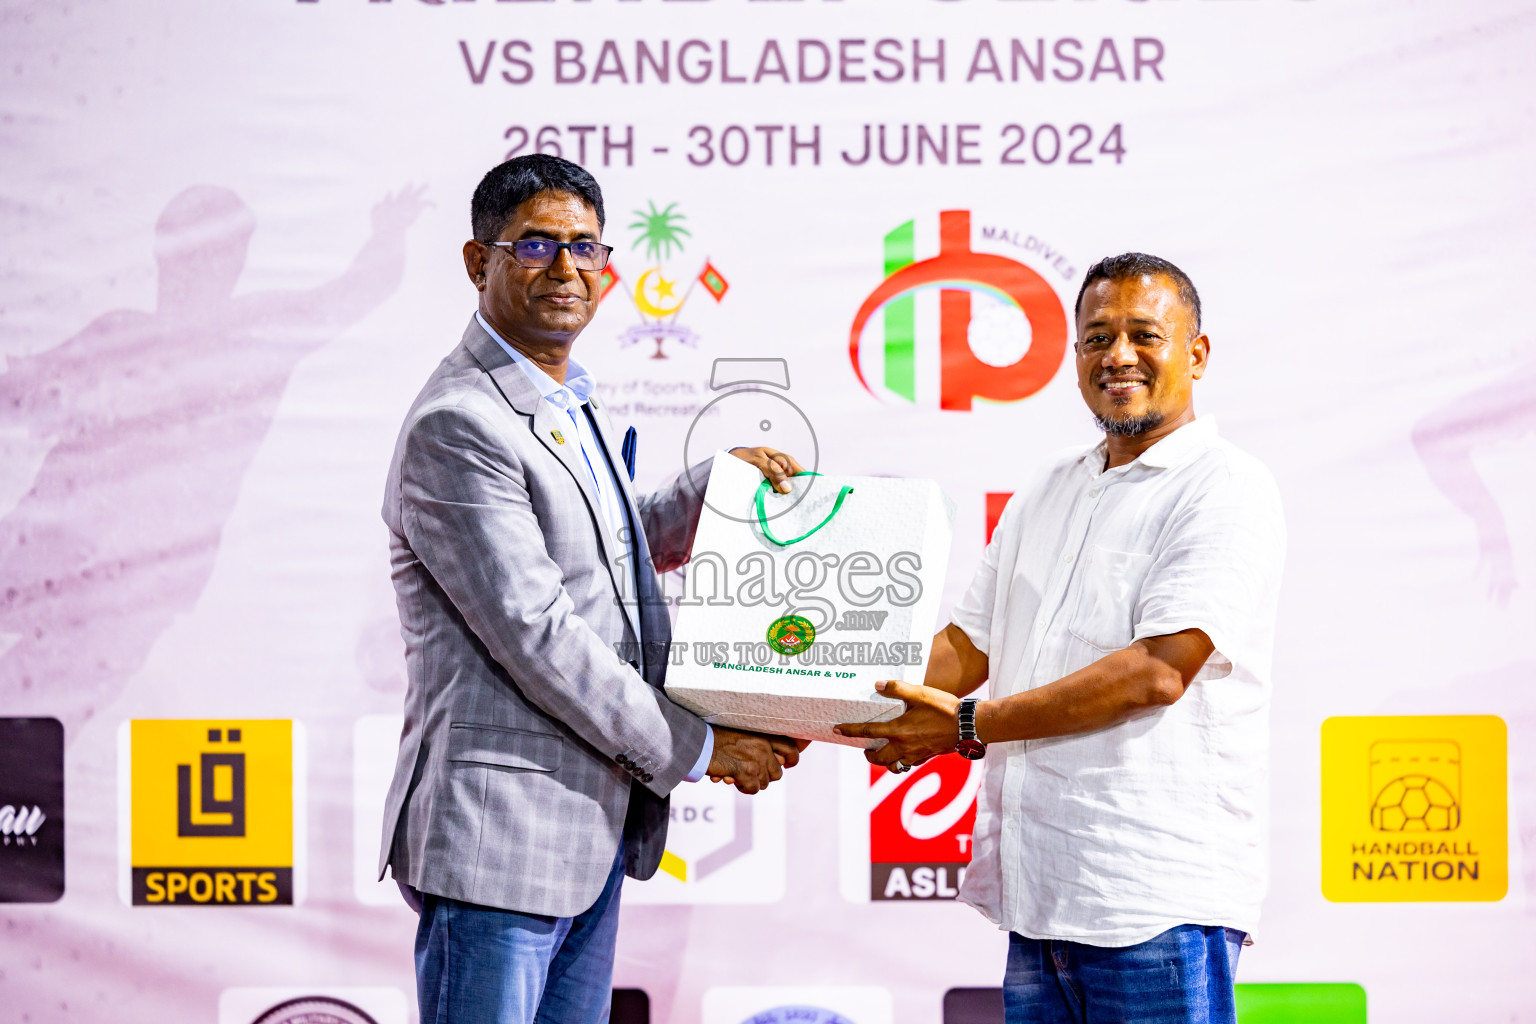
x=968 y=718
x=969 y=746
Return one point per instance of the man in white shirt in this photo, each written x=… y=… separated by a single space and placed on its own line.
x=1124 y=615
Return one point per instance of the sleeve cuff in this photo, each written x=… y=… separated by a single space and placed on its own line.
x=1222 y=660
x=702 y=764
x=979 y=633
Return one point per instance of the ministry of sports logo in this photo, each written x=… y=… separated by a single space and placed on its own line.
x=666 y=284
x=1002 y=330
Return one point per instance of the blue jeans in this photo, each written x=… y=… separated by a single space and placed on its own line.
x=1183 y=976
x=482 y=965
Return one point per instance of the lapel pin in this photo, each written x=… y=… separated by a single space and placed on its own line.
x=559 y=437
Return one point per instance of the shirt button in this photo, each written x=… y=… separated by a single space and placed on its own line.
x=1067 y=559
x=1095 y=493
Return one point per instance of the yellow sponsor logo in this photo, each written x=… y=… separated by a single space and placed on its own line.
x=674 y=865
x=211 y=811
x=1415 y=808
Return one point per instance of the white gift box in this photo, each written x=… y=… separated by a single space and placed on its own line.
x=794 y=605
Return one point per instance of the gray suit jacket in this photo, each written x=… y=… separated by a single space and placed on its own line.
x=530 y=746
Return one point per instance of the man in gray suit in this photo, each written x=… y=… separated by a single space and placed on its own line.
x=539 y=748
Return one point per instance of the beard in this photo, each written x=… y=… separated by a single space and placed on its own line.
x=1128 y=426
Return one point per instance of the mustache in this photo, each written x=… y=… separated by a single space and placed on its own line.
x=1104 y=376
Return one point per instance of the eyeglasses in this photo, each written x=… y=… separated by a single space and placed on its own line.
x=542 y=252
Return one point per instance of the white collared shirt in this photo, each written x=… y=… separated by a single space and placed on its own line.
x=570 y=398
x=1114 y=836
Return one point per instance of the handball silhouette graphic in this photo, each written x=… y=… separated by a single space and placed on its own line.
x=1415 y=803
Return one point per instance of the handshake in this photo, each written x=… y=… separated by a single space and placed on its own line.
x=749 y=760
x=929 y=727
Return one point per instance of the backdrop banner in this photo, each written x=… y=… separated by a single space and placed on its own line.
x=232 y=258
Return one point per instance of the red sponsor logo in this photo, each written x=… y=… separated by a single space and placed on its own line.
x=957 y=272
x=920 y=829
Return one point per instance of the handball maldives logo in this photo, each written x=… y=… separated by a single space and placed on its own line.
x=1002 y=330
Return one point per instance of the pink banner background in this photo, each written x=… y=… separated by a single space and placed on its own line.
x=231 y=258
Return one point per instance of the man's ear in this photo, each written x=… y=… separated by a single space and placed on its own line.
x=1199 y=355
x=475 y=255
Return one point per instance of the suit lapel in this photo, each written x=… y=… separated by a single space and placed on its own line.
x=605 y=438
x=599 y=420
x=545 y=422
x=649 y=613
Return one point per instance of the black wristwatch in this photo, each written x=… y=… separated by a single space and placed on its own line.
x=969 y=747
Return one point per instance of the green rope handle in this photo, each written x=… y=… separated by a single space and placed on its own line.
x=762 y=514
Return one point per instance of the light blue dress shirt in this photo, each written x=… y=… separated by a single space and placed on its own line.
x=570 y=400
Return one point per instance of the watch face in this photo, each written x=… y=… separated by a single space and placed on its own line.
x=972 y=750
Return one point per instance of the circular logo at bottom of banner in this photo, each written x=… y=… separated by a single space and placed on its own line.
x=797 y=1015
x=791 y=634
x=314 y=1010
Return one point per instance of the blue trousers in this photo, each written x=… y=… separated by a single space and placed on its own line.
x=482 y=965
x=1183 y=976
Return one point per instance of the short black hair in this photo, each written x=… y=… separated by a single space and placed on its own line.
x=1135 y=264
x=509 y=185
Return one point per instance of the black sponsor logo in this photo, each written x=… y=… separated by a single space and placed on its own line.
x=31 y=810
x=233 y=805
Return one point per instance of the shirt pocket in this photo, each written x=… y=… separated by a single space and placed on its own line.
x=1108 y=588
x=505 y=748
